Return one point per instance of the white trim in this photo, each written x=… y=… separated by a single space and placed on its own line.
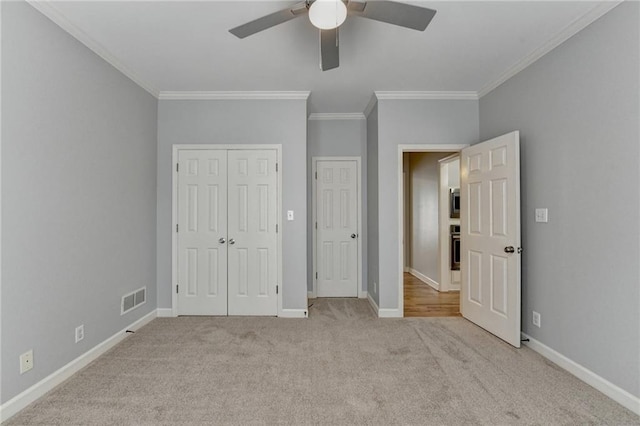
x=0 y=206
x=370 y=105
x=165 y=313
x=614 y=392
x=48 y=9
x=384 y=312
x=317 y=116
x=390 y=313
x=425 y=279
x=314 y=169
x=294 y=313
x=363 y=294
x=20 y=401
x=565 y=34
x=174 y=212
x=402 y=149
x=232 y=95
x=444 y=224
x=373 y=303
x=420 y=95
x=311 y=295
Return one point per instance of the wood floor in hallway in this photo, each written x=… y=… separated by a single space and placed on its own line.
x=421 y=300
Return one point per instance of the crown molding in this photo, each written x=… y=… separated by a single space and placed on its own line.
x=232 y=95
x=565 y=34
x=319 y=116
x=417 y=95
x=48 y=10
x=371 y=105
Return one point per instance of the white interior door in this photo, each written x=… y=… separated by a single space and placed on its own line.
x=202 y=222
x=490 y=236
x=337 y=228
x=252 y=234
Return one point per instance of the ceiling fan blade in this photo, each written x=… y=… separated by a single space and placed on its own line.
x=270 y=20
x=402 y=14
x=329 y=49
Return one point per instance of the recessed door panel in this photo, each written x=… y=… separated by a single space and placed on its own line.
x=499 y=287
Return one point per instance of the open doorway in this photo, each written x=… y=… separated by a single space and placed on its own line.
x=429 y=281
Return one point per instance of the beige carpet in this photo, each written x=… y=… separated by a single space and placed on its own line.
x=340 y=366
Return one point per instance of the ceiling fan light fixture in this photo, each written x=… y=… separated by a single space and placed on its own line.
x=327 y=14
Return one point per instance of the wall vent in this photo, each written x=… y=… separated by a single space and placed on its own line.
x=132 y=300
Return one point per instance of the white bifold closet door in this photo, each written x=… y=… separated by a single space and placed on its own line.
x=227 y=237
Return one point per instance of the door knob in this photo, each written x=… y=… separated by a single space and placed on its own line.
x=353 y=235
x=509 y=249
x=222 y=240
x=232 y=241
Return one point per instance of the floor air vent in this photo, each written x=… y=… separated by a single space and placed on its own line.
x=134 y=299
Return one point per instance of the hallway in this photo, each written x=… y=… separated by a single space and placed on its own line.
x=420 y=300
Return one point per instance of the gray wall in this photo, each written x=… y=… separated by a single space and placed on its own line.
x=78 y=196
x=372 y=206
x=410 y=122
x=577 y=110
x=337 y=138
x=240 y=122
x=423 y=207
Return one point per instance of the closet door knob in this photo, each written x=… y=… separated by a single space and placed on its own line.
x=232 y=241
x=222 y=240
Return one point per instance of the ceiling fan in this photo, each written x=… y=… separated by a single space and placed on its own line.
x=328 y=15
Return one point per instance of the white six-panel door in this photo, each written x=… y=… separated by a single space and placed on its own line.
x=227 y=237
x=490 y=234
x=252 y=232
x=337 y=228
x=202 y=232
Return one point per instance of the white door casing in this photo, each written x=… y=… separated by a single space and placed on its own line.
x=490 y=294
x=336 y=210
x=217 y=190
x=202 y=225
x=252 y=232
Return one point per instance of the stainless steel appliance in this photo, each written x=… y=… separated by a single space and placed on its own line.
x=455 y=247
x=454 y=203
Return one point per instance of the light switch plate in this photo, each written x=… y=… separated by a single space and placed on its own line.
x=290 y=215
x=542 y=215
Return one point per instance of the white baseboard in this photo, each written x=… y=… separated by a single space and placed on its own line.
x=373 y=303
x=363 y=294
x=294 y=313
x=311 y=295
x=389 y=313
x=384 y=312
x=614 y=392
x=425 y=279
x=20 y=401
x=165 y=313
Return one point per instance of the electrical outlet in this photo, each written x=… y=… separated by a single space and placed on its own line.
x=26 y=361
x=79 y=332
x=536 y=319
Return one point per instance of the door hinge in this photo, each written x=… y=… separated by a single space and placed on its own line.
x=276 y=228
x=176 y=227
x=177 y=287
x=316 y=175
x=276 y=167
x=316 y=275
x=276 y=289
x=177 y=167
x=316 y=225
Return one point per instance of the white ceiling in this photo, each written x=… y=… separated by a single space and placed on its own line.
x=186 y=46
